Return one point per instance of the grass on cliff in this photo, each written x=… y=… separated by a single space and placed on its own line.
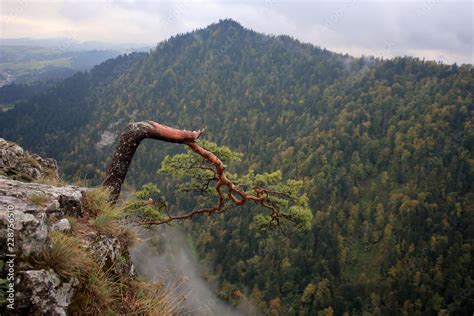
x=105 y=217
x=107 y=289
x=31 y=161
x=145 y=298
x=96 y=201
x=66 y=256
x=102 y=290
x=102 y=215
x=69 y=257
x=39 y=198
x=97 y=295
x=105 y=295
x=51 y=178
x=49 y=175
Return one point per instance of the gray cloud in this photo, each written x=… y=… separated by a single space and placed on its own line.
x=435 y=29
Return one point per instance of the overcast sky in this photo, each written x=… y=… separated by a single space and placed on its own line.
x=434 y=29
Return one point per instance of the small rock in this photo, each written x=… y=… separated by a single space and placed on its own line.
x=53 y=206
x=62 y=225
x=71 y=205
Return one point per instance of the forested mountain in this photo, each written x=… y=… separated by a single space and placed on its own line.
x=385 y=149
x=13 y=92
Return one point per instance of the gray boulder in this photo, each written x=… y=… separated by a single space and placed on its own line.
x=62 y=225
x=42 y=292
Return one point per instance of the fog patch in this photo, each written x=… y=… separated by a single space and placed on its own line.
x=164 y=255
x=106 y=138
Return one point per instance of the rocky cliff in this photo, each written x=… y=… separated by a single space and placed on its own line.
x=18 y=164
x=62 y=254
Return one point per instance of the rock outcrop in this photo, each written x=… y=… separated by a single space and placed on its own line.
x=43 y=292
x=18 y=164
x=34 y=208
x=29 y=212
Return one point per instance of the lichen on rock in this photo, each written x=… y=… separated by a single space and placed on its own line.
x=43 y=292
x=33 y=217
x=38 y=210
x=18 y=164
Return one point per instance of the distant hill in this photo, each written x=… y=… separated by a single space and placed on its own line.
x=24 y=64
x=68 y=44
x=385 y=149
x=25 y=60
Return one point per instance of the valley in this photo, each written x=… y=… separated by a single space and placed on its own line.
x=383 y=147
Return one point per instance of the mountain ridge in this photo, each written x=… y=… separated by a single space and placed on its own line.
x=384 y=149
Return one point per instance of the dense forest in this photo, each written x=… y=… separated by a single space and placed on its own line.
x=384 y=149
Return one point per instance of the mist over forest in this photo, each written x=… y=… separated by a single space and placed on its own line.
x=245 y=172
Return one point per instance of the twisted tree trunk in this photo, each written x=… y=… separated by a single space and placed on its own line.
x=129 y=140
x=226 y=190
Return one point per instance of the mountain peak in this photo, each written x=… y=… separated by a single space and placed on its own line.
x=226 y=24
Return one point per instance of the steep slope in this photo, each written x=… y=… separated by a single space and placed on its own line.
x=384 y=148
x=188 y=81
x=61 y=252
x=50 y=120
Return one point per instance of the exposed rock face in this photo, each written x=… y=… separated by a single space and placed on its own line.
x=20 y=165
x=107 y=250
x=29 y=211
x=42 y=292
x=34 y=208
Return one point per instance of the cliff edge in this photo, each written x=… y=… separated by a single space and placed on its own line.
x=62 y=252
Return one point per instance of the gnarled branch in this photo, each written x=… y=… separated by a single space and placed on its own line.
x=226 y=190
x=234 y=194
x=129 y=140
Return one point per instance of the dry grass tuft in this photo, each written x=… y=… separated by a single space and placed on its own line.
x=39 y=198
x=97 y=295
x=96 y=201
x=81 y=182
x=50 y=178
x=145 y=298
x=66 y=256
x=106 y=222
x=30 y=160
x=127 y=236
